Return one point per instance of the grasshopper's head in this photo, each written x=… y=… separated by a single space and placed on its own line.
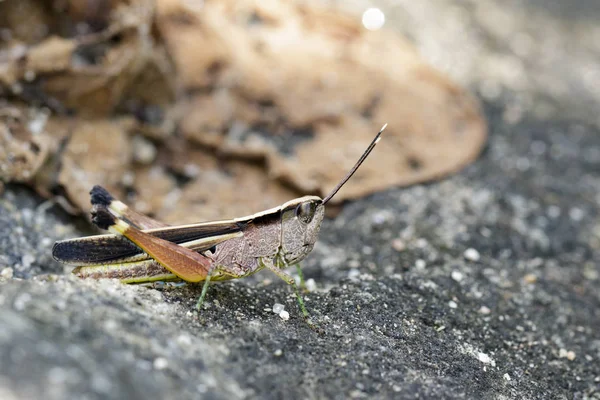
x=300 y=223
x=301 y=218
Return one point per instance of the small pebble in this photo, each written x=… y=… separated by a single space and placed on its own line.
x=278 y=353
x=553 y=212
x=472 y=254
x=284 y=315
x=576 y=214
x=452 y=304
x=381 y=217
x=27 y=260
x=7 y=273
x=530 y=278
x=353 y=274
x=484 y=310
x=484 y=358
x=160 y=363
x=457 y=276
x=278 y=308
x=506 y=377
x=568 y=354
x=311 y=285
x=420 y=264
x=421 y=243
x=184 y=340
x=398 y=245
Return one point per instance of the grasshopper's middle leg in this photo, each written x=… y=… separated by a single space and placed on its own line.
x=205 y=288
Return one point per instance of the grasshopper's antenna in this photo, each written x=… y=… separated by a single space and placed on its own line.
x=358 y=163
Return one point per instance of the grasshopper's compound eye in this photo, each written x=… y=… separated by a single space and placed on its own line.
x=306 y=211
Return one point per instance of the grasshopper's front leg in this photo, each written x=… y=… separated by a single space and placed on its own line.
x=301 y=276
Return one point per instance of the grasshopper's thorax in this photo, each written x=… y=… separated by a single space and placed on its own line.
x=300 y=223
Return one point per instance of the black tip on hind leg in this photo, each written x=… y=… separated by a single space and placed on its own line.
x=102 y=218
x=100 y=196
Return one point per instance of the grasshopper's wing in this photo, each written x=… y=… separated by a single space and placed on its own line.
x=187 y=264
x=108 y=249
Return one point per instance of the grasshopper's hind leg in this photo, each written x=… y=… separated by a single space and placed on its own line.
x=181 y=261
x=100 y=197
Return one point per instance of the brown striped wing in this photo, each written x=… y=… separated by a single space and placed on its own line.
x=107 y=249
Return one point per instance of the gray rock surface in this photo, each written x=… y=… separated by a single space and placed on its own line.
x=485 y=285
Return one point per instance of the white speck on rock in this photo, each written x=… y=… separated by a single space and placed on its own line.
x=472 y=254
x=21 y=301
x=398 y=245
x=484 y=310
x=284 y=315
x=457 y=276
x=381 y=217
x=421 y=243
x=484 y=358
x=553 y=212
x=568 y=354
x=278 y=308
x=452 y=304
x=311 y=285
x=420 y=264
x=110 y=325
x=27 y=260
x=184 y=340
x=160 y=363
x=507 y=377
x=278 y=353
x=7 y=273
x=353 y=274
x=576 y=214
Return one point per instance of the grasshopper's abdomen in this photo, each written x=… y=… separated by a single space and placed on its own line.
x=131 y=272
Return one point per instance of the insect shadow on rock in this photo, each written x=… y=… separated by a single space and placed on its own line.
x=142 y=250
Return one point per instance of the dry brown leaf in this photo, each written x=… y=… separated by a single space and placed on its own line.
x=98 y=151
x=23 y=149
x=288 y=68
x=93 y=73
x=246 y=104
x=221 y=189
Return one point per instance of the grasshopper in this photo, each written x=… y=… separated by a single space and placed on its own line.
x=143 y=250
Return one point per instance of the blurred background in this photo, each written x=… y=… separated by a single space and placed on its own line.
x=475 y=221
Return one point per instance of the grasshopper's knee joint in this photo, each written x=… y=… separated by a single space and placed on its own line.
x=100 y=196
